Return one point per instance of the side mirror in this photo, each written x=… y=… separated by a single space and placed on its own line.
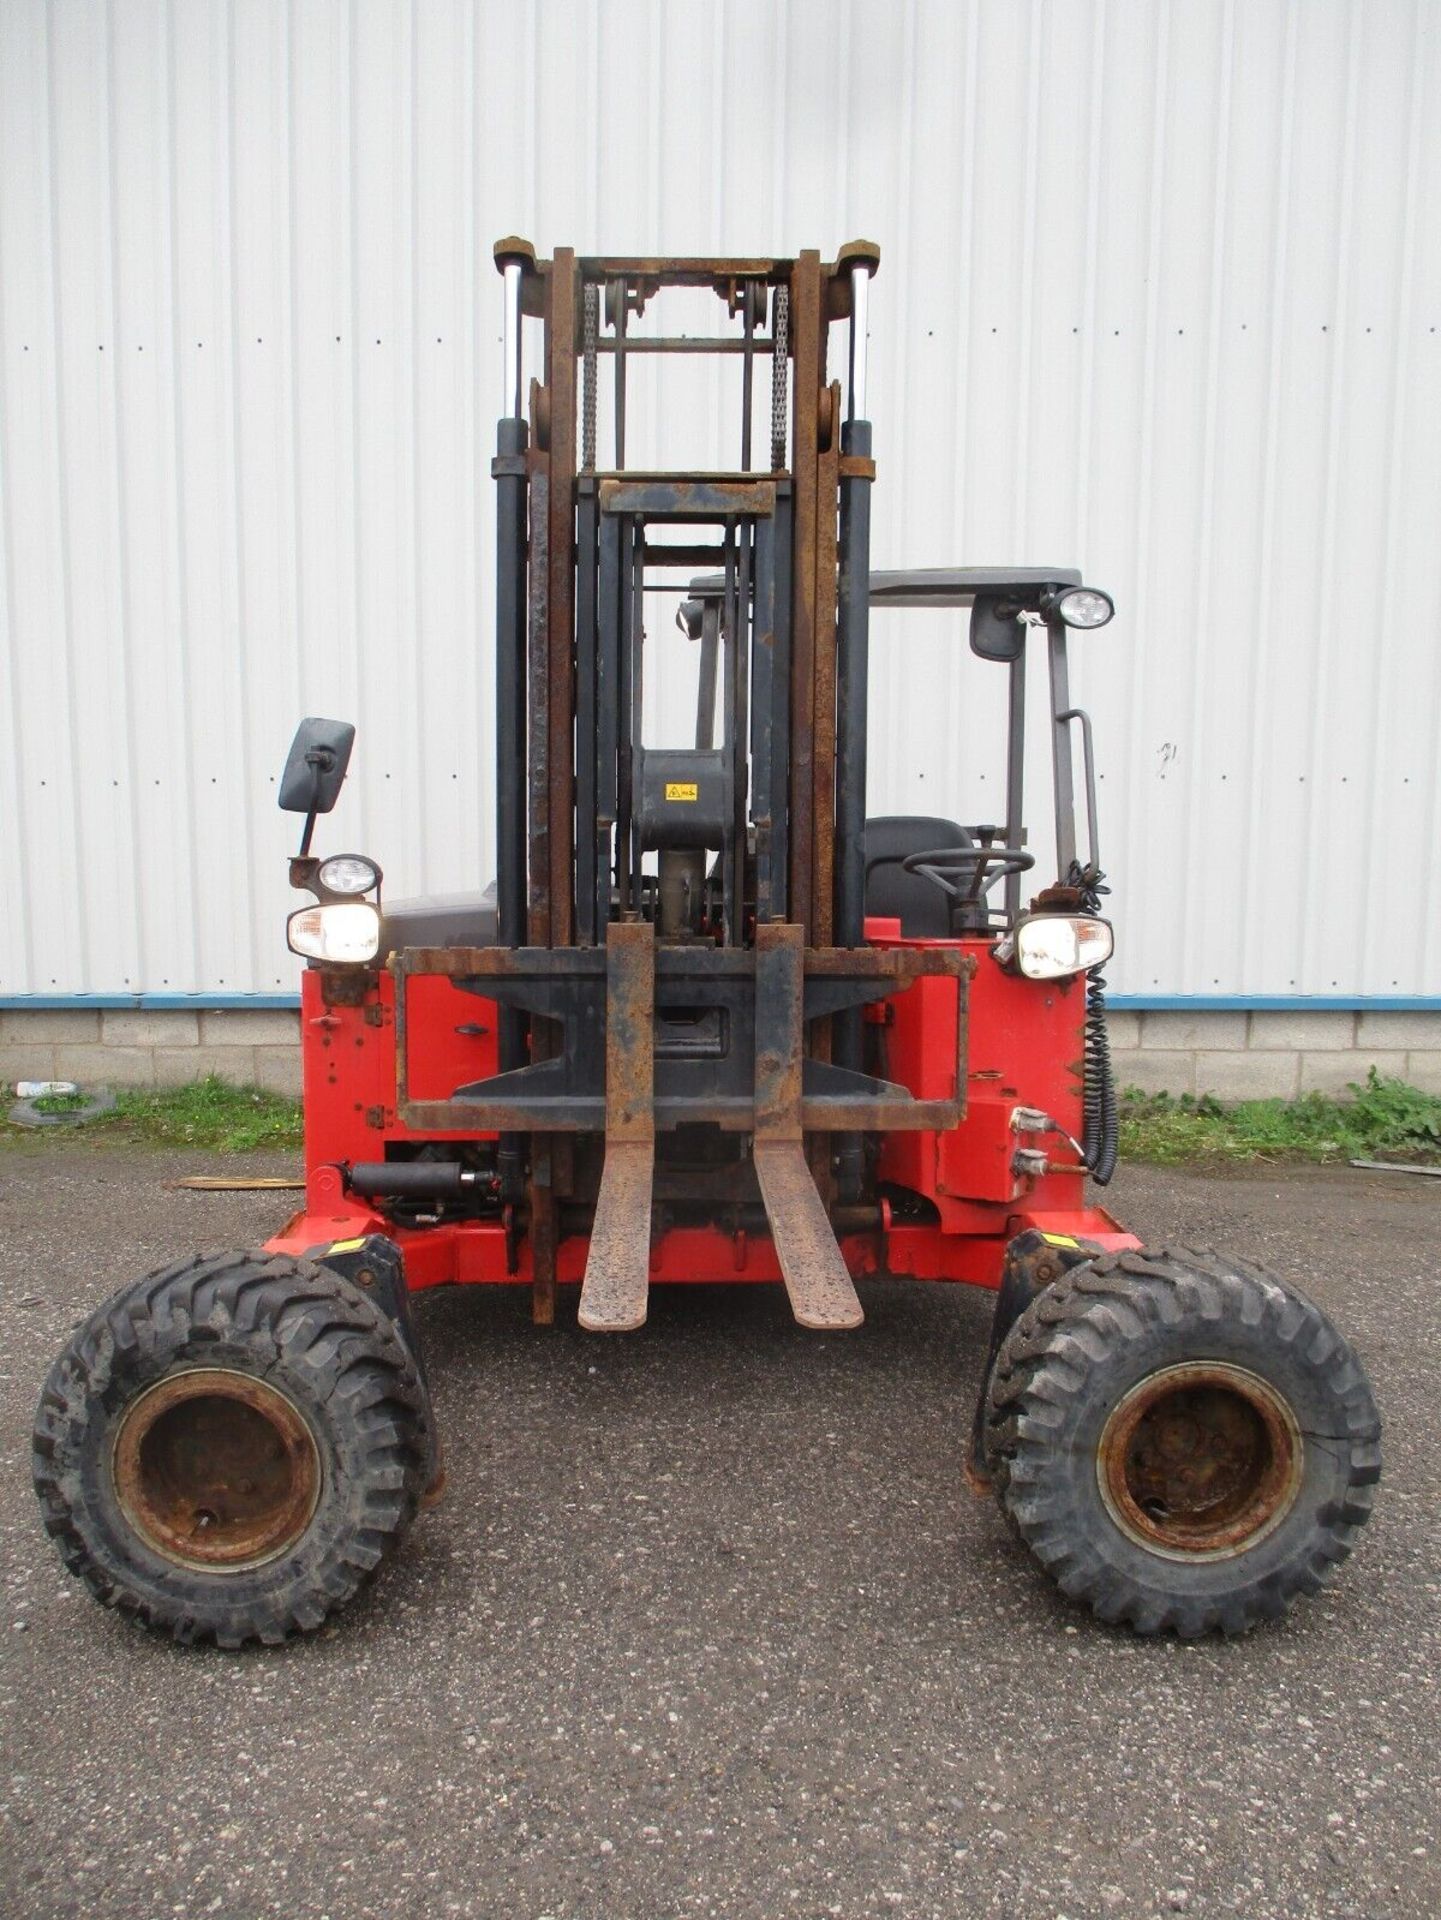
x=996 y=635
x=315 y=766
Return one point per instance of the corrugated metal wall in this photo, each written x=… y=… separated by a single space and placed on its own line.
x=1160 y=293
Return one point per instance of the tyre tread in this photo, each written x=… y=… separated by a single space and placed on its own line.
x=303 y=1314
x=1077 y=1323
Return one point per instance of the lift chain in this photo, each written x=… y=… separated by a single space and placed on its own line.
x=780 y=349
x=588 y=382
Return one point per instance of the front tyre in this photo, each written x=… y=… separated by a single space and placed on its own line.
x=231 y=1447
x=1183 y=1440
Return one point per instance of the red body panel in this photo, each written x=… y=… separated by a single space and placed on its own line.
x=1025 y=1050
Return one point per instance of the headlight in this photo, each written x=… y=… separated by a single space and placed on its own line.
x=346 y=932
x=1085 y=607
x=348 y=873
x=1050 y=945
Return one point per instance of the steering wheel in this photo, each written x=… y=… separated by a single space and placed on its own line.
x=951 y=868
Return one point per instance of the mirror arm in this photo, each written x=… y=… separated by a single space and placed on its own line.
x=320 y=760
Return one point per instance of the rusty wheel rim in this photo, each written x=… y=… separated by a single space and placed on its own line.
x=1201 y=1461
x=216 y=1470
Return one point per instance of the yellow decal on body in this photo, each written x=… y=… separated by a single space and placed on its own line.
x=681 y=790
x=1059 y=1240
x=347 y=1246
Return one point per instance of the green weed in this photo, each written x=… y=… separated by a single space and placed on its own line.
x=207 y=1113
x=1384 y=1119
x=60 y=1102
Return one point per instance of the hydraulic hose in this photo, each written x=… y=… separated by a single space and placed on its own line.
x=1100 y=1113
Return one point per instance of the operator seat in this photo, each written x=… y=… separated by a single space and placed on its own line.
x=922 y=909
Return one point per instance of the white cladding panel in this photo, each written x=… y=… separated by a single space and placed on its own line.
x=1159 y=296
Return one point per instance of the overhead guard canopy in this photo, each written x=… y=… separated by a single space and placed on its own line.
x=958 y=586
x=933 y=586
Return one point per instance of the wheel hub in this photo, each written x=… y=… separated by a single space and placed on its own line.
x=216 y=1469
x=1200 y=1461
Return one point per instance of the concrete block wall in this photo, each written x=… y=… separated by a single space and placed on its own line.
x=1235 y=1056
x=249 y=1047
x=1257 y=1055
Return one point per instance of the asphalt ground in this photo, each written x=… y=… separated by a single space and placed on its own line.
x=709 y=1625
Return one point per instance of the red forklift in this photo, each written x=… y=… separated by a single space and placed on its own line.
x=709 y=1023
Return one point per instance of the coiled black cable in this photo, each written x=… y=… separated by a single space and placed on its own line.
x=1100 y=1112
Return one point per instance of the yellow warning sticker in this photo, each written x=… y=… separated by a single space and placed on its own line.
x=346 y=1246
x=681 y=790
x=1059 y=1240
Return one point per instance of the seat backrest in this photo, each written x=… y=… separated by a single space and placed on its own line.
x=891 y=892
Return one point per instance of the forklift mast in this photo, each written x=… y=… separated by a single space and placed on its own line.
x=718 y=1000
x=569 y=600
